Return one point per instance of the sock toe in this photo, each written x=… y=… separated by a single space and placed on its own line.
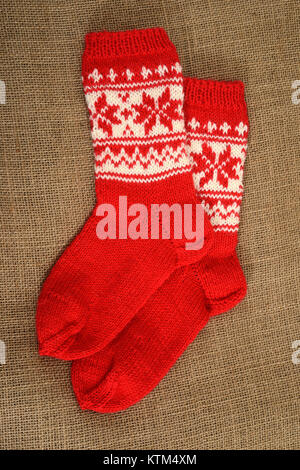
x=95 y=395
x=58 y=319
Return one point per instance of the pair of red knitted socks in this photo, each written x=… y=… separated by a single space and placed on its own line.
x=125 y=308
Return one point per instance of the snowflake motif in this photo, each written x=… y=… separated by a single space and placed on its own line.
x=226 y=166
x=105 y=114
x=211 y=127
x=164 y=109
x=194 y=124
x=128 y=74
x=208 y=158
x=177 y=67
x=241 y=128
x=145 y=72
x=95 y=75
x=225 y=127
x=162 y=70
x=112 y=75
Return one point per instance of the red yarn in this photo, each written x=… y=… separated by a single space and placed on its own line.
x=134 y=91
x=133 y=306
x=141 y=355
x=217 y=131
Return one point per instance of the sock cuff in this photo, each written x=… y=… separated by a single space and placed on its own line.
x=108 y=44
x=213 y=93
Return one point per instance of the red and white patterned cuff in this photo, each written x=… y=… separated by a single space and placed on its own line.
x=217 y=130
x=134 y=91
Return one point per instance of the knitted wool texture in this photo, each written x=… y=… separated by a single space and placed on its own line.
x=217 y=133
x=135 y=362
x=134 y=91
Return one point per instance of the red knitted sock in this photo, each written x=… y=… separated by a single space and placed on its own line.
x=217 y=130
x=141 y=355
x=134 y=91
x=136 y=360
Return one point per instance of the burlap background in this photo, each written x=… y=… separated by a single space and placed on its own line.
x=236 y=386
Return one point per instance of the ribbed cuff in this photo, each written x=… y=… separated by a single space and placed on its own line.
x=214 y=93
x=106 y=44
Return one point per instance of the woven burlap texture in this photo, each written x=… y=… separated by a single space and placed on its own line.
x=236 y=386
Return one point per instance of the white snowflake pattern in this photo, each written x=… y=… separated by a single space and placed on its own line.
x=129 y=74
x=162 y=70
x=145 y=72
x=177 y=67
x=241 y=128
x=225 y=127
x=194 y=124
x=112 y=75
x=95 y=75
x=211 y=127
